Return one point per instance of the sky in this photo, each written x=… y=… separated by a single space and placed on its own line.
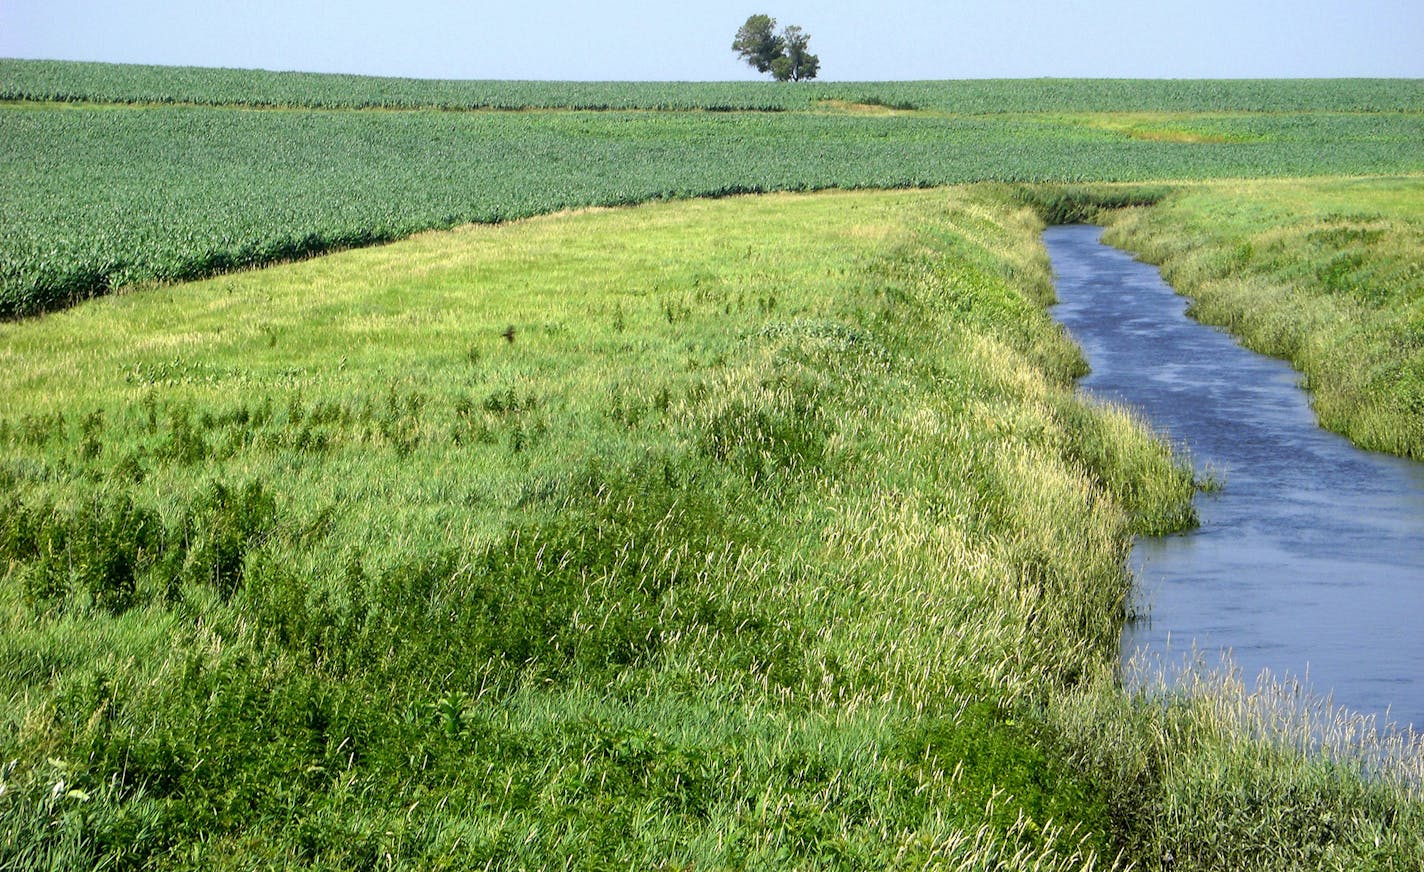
x=690 y=41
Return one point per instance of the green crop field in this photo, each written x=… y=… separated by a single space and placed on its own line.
x=68 y=81
x=708 y=531
x=98 y=197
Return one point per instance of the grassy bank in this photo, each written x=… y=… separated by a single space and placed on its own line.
x=751 y=533
x=758 y=545
x=1327 y=273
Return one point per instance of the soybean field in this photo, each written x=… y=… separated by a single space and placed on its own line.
x=98 y=196
x=71 y=81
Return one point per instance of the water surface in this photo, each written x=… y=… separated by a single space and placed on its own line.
x=1310 y=560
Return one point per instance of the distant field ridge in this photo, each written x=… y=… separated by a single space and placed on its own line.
x=117 y=176
x=73 y=81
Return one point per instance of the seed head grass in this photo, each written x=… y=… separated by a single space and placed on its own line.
x=777 y=538
x=1323 y=272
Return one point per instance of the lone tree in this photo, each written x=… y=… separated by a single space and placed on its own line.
x=784 y=55
x=797 y=63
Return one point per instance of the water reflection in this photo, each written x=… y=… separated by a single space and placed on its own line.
x=1310 y=560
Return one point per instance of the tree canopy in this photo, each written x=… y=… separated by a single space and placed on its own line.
x=785 y=55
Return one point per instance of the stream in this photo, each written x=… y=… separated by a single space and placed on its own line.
x=1309 y=561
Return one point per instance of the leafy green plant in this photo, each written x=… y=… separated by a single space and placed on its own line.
x=209 y=188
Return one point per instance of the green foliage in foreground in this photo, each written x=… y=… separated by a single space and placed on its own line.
x=1326 y=273
x=96 y=198
x=775 y=538
x=72 y=81
x=758 y=546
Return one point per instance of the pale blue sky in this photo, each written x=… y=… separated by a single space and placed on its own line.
x=620 y=39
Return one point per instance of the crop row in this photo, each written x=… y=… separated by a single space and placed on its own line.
x=69 y=81
x=94 y=198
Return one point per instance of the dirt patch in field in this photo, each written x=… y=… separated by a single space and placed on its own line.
x=855 y=108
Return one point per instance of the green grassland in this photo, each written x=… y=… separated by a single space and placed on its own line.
x=96 y=197
x=754 y=534
x=1328 y=273
x=777 y=537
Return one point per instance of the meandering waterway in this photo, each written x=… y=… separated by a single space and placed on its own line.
x=1309 y=561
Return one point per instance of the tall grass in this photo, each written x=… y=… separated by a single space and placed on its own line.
x=1085 y=204
x=1207 y=773
x=755 y=533
x=1324 y=273
x=742 y=551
